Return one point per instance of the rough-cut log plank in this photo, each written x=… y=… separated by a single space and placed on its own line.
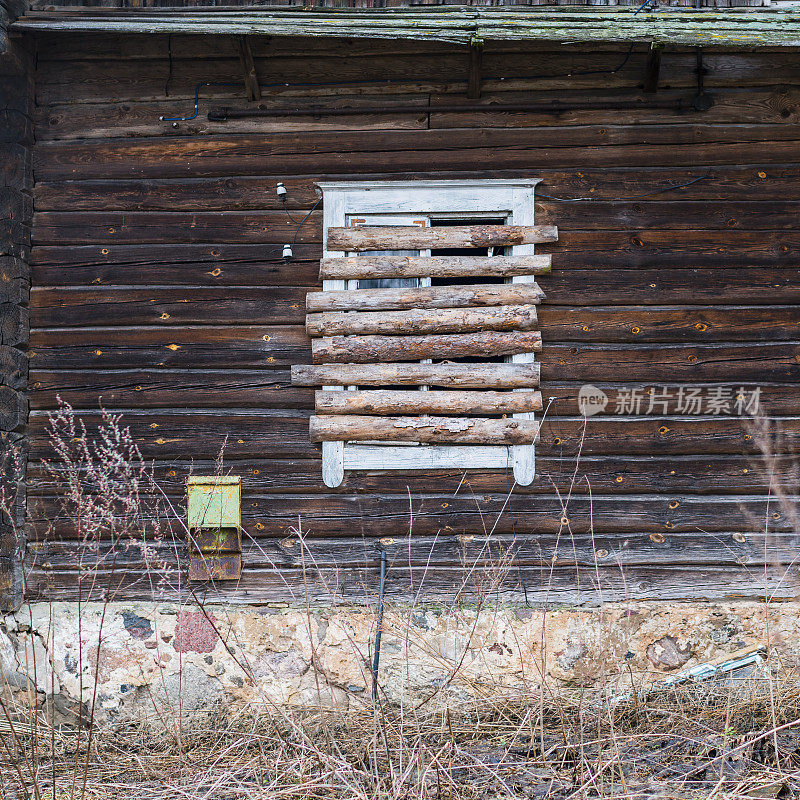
x=412 y=237
x=463 y=512
x=703 y=27
x=555 y=586
x=419 y=320
x=609 y=474
x=256 y=192
x=366 y=349
x=387 y=402
x=459 y=376
x=431 y=267
x=429 y=430
x=490 y=294
x=590 y=146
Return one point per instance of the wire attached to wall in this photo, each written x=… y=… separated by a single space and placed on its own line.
x=623 y=199
x=196 y=99
x=376 y=81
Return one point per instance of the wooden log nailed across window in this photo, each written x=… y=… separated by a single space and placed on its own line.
x=399 y=402
x=373 y=267
x=371 y=349
x=456 y=376
x=422 y=320
x=424 y=429
x=415 y=238
x=490 y=294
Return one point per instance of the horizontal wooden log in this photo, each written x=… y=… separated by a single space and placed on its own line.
x=343 y=514
x=419 y=320
x=769 y=27
x=101 y=305
x=273 y=347
x=366 y=349
x=431 y=267
x=490 y=294
x=167 y=388
x=256 y=192
x=256 y=388
x=446 y=549
x=409 y=107
x=414 y=237
x=590 y=146
x=557 y=586
x=459 y=376
x=387 y=402
x=428 y=430
x=584 y=323
x=194 y=347
x=270 y=433
x=658 y=476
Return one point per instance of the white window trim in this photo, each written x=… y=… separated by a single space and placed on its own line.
x=512 y=199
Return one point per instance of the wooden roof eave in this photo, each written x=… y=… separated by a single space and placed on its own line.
x=772 y=27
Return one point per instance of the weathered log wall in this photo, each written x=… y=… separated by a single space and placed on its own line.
x=16 y=210
x=158 y=286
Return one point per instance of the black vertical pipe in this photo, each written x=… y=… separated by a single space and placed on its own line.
x=376 y=657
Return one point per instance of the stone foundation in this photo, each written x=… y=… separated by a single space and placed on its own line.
x=166 y=658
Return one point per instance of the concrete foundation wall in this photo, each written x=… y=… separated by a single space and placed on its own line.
x=156 y=660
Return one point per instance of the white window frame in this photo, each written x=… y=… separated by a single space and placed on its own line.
x=512 y=200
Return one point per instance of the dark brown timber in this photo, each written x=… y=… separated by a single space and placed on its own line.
x=159 y=292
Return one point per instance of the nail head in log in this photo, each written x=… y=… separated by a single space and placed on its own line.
x=422 y=320
x=426 y=430
x=490 y=294
x=369 y=349
x=458 y=376
x=374 y=267
x=413 y=237
x=388 y=402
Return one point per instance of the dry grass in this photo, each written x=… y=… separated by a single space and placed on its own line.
x=709 y=741
x=737 y=737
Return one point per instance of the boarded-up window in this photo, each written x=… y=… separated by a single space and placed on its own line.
x=424 y=336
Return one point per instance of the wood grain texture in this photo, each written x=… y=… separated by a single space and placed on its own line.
x=425 y=429
x=672 y=477
x=431 y=267
x=159 y=292
x=399 y=238
x=419 y=320
x=391 y=403
x=370 y=349
x=472 y=376
x=435 y=297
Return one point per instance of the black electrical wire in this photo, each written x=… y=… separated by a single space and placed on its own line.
x=169 y=71
x=376 y=656
x=622 y=199
x=197 y=100
x=381 y=81
x=302 y=222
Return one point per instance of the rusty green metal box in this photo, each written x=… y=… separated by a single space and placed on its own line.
x=214 y=519
x=215 y=502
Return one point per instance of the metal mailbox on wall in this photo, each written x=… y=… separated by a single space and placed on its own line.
x=214 y=516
